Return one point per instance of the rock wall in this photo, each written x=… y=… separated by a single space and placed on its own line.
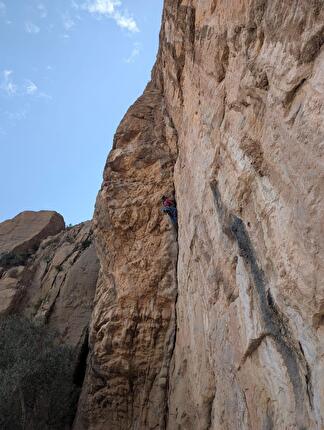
x=49 y=273
x=233 y=122
x=22 y=234
x=62 y=284
x=20 y=238
x=133 y=323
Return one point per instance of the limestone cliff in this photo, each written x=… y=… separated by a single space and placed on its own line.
x=133 y=323
x=220 y=327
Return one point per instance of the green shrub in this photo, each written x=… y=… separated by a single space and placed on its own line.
x=11 y=259
x=47 y=259
x=85 y=244
x=36 y=374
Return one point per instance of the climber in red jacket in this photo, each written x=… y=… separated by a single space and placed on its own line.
x=169 y=207
x=167 y=202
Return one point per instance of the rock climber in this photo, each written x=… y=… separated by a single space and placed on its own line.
x=169 y=207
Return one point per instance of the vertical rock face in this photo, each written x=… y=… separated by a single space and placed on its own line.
x=249 y=183
x=233 y=120
x=133 y=323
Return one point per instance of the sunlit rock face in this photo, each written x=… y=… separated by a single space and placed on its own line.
x=133 y=323
x=20 y=238
x=49 y=273
x=222 y=326
x=23 y=233
x=62 y=283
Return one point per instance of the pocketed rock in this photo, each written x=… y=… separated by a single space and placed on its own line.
x=233 y=120
x=133 y=323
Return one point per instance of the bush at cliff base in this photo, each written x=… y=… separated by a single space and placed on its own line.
x=36 y=374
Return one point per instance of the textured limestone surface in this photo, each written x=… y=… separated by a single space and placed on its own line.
x=133 y=323
x=233 y=121
x=53 y=281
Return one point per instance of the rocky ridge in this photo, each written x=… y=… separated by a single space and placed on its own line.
x=49 y=272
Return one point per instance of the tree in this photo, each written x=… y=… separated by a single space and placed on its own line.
x=37 y=390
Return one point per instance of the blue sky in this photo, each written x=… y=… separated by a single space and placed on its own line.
x=69 y=70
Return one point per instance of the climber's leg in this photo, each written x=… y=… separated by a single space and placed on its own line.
x=172 y=212
x=173 y=215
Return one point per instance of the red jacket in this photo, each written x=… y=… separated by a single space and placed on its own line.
x=168 y=202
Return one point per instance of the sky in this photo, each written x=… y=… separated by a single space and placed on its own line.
x=69 y=70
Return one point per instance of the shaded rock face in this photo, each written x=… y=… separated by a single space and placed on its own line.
x=233 y=120
x=49 y=276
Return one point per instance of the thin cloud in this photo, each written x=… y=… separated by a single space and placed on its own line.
x=3 y=8
x=25 y=88
x=75 y=5
x=31 y=28
x=134 y=54
x=103 y=7
x=68 y=23
x=111 y=9
x=45 y=96
x=7 y=84
x=17 y=116
x=42 y=10
x=31 y=88
x=125 y=22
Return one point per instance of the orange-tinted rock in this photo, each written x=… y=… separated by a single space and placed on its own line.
x=49 y=274
x=236 y=104
x=20 y=238
x=133 y=323
x=60 y=283
x=23 y=233
x=54 y=284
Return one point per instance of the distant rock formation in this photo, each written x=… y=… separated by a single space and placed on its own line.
x=23 y=234
x=220 y=327
x=49 y=273
x=20 y=238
